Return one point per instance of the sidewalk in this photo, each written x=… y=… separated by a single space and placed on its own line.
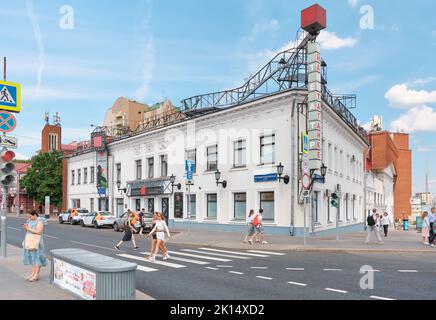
x=15 y=287
x=396 y=242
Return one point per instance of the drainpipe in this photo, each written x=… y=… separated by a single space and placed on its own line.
x=293 y=166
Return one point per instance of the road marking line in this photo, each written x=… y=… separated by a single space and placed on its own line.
x=407 y=270
x=372 y=270
x=91 y=245
x=181 y=259
x=236 y=272
x=267 y=252
x=198 y=256
x=259 y=267
x=380 y=298
x=295 y=269
x=212 y=268
x=146 y=269
x=332 y=269
x=298 y=284
x=220 y=266
x=216 y=254
x=265 y=278
x=162 y=263
x=336 y=290
x=235 y=252
x=16 y=229
x=46 y=235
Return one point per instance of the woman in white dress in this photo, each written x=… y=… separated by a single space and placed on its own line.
x=160 y=229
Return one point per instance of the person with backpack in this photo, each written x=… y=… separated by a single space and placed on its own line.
x=257 y=224
x=251 y=228
x=371 y=221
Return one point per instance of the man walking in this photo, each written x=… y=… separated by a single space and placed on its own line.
x=372 y=227
x=432 y=218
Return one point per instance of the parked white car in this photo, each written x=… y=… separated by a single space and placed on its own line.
x=98 y=219
x=72 y=216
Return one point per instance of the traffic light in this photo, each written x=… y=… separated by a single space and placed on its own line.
x=7 y=173
x=335 y=202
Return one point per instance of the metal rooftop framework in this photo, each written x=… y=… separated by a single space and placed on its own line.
x=286 y=71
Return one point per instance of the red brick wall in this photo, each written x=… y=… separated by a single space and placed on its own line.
x=64 y=184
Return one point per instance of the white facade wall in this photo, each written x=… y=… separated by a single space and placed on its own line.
x=272 y=115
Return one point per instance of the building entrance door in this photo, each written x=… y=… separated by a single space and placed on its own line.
x=120 y=207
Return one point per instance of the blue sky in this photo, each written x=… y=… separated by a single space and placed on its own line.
x=151 y=50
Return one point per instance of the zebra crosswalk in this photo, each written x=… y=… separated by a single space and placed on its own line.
x=199 y=256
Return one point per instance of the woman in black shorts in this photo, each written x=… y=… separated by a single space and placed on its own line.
x=128 y=231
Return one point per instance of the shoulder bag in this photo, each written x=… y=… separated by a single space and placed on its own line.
x=31 y=242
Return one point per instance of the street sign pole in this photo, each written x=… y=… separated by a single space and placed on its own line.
x=3 y=223
x=189 y=211
x=305 y=222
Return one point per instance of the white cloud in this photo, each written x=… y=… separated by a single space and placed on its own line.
x=19 y=156
x=353 y=3
x=38 y=38
x=76 y=134
x=417 y=119
x=401 y=96
x=423 y=149
x=367 y=126
x=330 y=41
x=423 y=81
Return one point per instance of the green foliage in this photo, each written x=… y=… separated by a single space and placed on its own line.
x=44 y=178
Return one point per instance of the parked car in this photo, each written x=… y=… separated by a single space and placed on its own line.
x=77 y=219
x=68 y=216
x=146 y=221
x=98 y=219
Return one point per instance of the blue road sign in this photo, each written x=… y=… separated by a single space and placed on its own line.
x=265 y=177
x=7 y=121
x=190 y=168
x=10 y=96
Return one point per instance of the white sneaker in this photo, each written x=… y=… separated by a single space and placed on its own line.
x=426 y=243
x=166 y=257
x=152 y=258
x=264 y=242
x=251 y=241
x=432 y=245
x=245 y=240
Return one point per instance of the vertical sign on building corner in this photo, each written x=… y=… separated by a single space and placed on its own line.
x=314 y=102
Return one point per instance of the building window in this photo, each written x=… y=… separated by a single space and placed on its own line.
x=267 y=149
x=329 y=218
x=138 y=205
x=52 y=142
x=347 y=211
x=315 y=207
x=192 y=206
x=212 y=206
x=79 y=176
x=138 y=169
x=192 y=155
x=91 y=205
x=341 y=162
x=118 y=168
x=164 y=166
x=150 y=204
x=330 y=161
x=178 y=205
x=353 y=202
x=92 y=175
x=239 y=154
x=73 y=176
x=240 y=206
x=150 y=162
x=85 y=175
x=267 y=204
x=212 y=158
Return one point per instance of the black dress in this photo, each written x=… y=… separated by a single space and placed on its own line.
x=127 y=232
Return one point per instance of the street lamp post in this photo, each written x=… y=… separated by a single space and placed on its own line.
x=286 y=178
x=172 y=180
x=218 y=177
x=119 y=187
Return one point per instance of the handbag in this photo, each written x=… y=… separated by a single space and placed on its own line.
x=31 y=242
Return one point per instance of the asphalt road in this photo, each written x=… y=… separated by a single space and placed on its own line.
x=195 y=273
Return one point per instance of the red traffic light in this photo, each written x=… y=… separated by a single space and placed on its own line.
x=7 y=155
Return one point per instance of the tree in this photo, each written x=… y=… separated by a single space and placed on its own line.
x=44 y=178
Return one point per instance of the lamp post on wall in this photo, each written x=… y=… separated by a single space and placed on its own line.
x=172 y=180
x=286 y=178
x=119 y=187
x=218 y=177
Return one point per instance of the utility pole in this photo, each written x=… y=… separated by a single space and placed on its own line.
x=3 y=228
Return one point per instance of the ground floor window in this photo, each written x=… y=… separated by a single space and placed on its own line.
x=138 y=205
x=91 y=205
x=75 y=203
x=240 y=206
x=315 y=207
x=120 y=207
x=212 y=206
x=267 y=204
x=192 y=206
x=329 y=217
x=347 y=211
x=103 y=204
x=150 y=205
x=178 y=205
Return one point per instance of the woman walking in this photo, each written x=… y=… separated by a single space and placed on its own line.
x=128 y=231
x=425 y=228
x=251 y=229
x=386 y=222
x=34 y=245
x=154 y=238
x=160 y=229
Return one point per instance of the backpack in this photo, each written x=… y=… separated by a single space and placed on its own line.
x=256 y=221
x=370 y=220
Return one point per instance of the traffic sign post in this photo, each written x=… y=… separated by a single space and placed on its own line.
x=7 y=121
x=190 y=168
x=8 y=142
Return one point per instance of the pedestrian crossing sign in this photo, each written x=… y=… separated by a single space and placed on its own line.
x=10 y=96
